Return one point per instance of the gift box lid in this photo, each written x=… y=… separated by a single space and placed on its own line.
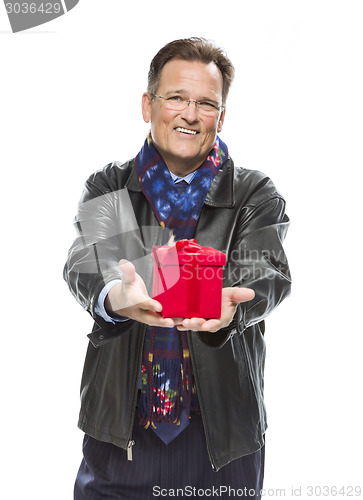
x=188 y=252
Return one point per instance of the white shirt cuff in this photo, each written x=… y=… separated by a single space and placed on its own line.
x=100 y=306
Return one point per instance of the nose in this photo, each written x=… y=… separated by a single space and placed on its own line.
x=190 y=113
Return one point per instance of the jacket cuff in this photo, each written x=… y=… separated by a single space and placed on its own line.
x=103 y=332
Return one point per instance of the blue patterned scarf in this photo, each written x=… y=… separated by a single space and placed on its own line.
x=167 y=385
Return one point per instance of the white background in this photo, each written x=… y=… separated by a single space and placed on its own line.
x=70 y=103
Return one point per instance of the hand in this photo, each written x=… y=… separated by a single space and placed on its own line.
x=231 y=297
x=130 y=299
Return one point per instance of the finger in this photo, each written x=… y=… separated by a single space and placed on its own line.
x=178 y=321
x=163 y=322
x=167 y=323
x=181 y=328
x=128 y=273
x=193 y=323
x=239 y=295
x=154 y=319
x=211 y=325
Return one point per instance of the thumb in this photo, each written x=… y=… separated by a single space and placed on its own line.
x=151 y=305
x=238 y=295
x=128 y=273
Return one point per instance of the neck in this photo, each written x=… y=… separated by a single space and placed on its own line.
x=182 y=172
x=181 y=167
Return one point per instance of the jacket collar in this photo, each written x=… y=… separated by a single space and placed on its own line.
x=220 y=193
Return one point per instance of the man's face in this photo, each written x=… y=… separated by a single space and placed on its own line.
x=183 y=152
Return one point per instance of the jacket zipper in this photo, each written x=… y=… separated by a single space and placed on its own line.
x=200 y=403
x=131 y=442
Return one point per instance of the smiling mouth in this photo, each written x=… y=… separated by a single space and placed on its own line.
x=186 y=131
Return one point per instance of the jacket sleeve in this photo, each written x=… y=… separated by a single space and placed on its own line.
x=106 y=231
x=256 y=259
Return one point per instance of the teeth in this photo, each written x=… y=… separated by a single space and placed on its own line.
x=186 y=131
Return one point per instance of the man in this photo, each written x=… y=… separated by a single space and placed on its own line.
x=186 y=392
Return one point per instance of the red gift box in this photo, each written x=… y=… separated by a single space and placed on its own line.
x=188 y=280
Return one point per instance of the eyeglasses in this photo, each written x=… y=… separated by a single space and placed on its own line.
x=178 y=103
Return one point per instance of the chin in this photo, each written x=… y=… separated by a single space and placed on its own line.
x=186 y=152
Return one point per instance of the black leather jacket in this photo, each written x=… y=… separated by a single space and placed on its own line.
x=243 y=216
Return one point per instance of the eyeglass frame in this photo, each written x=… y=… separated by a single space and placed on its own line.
x=188 y=101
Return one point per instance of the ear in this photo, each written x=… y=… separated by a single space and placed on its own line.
x=146 y=107
x=221 y=120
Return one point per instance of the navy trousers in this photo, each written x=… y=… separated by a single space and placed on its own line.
x=180 y=469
